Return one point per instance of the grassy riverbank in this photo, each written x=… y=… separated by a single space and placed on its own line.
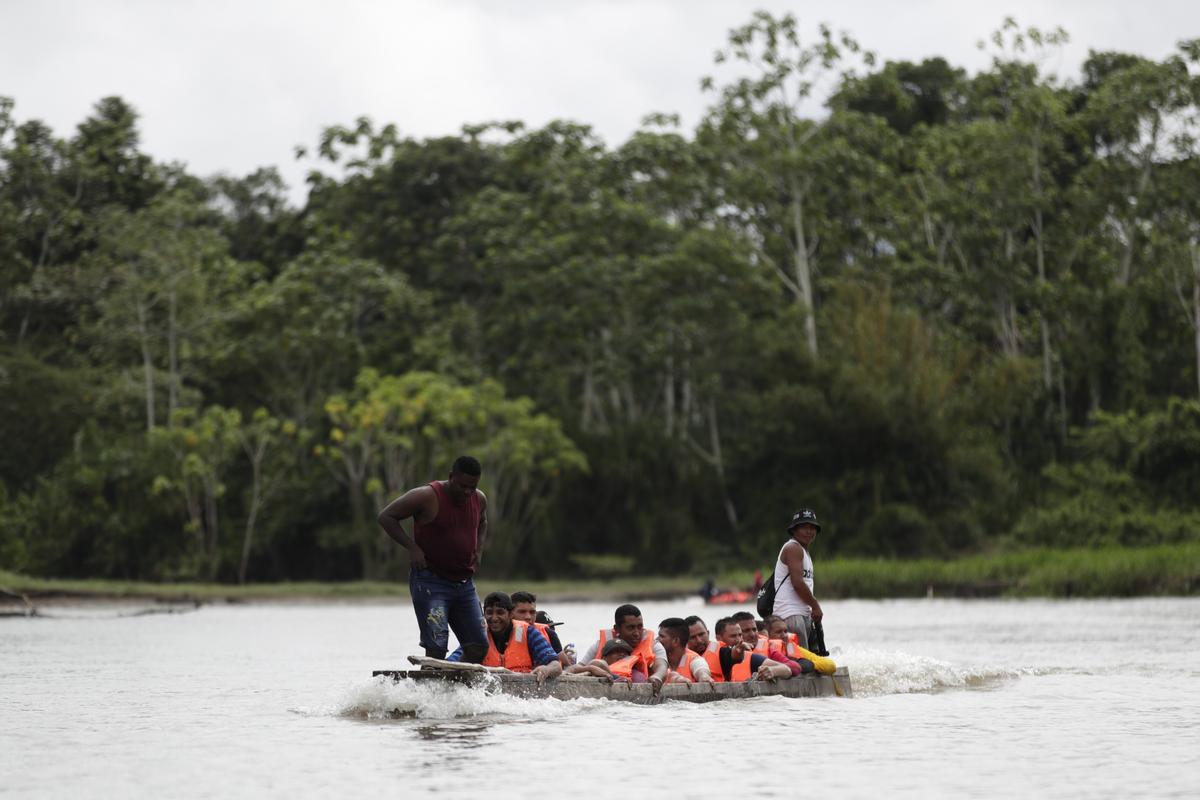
x=1101 y=572
x=1081 y=572
x=13 y=586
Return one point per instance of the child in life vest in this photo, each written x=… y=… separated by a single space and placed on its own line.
x=616 y=663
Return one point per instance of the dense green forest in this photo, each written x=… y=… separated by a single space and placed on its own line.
x=953 y=313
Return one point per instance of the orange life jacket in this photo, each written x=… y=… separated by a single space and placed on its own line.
x=623 y=670
x=684 y=668
x=741 y=671
x=544 y=629
x=712 y=657
x=644 y=650
x=516 y=655
x=761 y=646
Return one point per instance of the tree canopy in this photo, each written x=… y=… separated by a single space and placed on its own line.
x=953 y=312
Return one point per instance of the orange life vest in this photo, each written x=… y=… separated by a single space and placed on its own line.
x=712 y=657
x=644 y=650
x=761 y=646
x=544 y=629
x=684 y=668
x=741 y=671
x=516 y=655
x=623 y=670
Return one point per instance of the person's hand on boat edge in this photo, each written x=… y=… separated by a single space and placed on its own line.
x=771 y=671
x=657 y=682
x=546 y=671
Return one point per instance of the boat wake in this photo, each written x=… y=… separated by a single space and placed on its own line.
x=382 y=698
x=883 y=672
x=873 y=672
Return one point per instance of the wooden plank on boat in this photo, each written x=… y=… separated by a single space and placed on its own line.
x=574 y=687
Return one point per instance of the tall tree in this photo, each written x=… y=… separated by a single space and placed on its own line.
x=772 y=146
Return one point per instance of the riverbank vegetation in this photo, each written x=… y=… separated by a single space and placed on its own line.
x=1102 y=572
x=954 y=313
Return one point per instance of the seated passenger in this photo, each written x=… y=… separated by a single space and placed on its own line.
x=684 y=665
x=699 y=642
x=787 y=643
x=741 y=663
x=514 y=644
x=750 y=635
x=617 y=663
x=628 y=625
x=525 y=609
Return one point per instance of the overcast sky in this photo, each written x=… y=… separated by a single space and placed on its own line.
x=232 y=85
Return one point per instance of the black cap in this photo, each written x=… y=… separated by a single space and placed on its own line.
x=805 y=516
x=543 y=618
x=615 y=645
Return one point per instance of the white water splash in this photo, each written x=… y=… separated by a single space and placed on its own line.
x=382 y=698
x=880 y=672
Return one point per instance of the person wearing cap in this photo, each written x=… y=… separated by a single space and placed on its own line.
x=512 y=643
x=617 y=662
x=525 y=609
x=794 y=598
x=628 y=625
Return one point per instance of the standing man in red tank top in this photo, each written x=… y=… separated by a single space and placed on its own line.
x=449 y=532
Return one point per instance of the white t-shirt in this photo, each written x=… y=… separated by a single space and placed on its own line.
x=787 y=602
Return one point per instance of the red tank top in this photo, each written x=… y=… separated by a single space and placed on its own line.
x=449 y=541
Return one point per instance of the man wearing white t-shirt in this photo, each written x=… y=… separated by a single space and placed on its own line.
x=794 y=598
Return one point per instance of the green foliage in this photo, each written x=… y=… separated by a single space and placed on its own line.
x=200 y=446
x=42 y=408
x=394 y=430
x=1134 y=483
x=1111 y=571
x=602 y=565
x=950 y=311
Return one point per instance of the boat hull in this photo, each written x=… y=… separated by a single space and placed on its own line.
x=574 y=687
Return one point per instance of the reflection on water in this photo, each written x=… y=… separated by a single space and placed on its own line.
x=466 y=735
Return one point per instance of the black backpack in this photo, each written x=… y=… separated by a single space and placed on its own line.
x=765 y=602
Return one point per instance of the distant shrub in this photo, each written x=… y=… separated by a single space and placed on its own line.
x=602 y=565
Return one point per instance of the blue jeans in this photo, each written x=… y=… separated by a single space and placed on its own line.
x=442 y=606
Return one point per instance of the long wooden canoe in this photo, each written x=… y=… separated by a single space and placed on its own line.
x=573 y=687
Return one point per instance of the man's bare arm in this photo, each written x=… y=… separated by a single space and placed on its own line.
x=420 y=504
x=795 y=564
x=481 y=532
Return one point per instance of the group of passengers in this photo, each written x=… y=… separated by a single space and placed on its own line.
x=521 y=639
x=450 y=529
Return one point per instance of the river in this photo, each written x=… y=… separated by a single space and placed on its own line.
x=953 y=698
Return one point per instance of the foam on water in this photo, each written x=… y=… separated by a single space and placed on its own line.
x=873 y=673
x=880 y=672
x=382 y=698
